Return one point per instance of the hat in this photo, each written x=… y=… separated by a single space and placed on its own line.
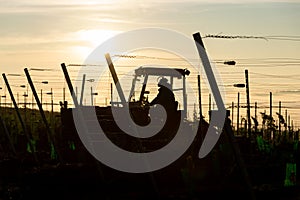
x=163 y=82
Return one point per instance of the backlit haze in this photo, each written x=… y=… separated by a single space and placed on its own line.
x=44 y=34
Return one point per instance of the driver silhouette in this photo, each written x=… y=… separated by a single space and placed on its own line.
x=165 y=96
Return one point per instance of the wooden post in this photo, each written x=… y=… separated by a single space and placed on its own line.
x=239 y=158
x=69 y=83
x=115 y=78
x=51 y=137
x=21 y=120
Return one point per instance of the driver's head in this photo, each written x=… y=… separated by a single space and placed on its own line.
x=163 y=82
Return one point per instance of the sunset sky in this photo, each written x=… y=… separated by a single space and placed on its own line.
x=44 y=34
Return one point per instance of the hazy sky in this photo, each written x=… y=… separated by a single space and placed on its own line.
x=37 y=33
x=55 y=32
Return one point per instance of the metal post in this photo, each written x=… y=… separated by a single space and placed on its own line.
x=255 y=115
x=52 y=110
x=238 y=115
x=279 y=125
x=31 y=114
x=271 y=105
x=209 y=105
x=184 y=97
x=232 y=110
x=42 y=97
x=131 y=93
x=143 y=88
x=111 y=94
x=51 y=137
x=25 y=109
x=248 y=103
x=4 y=102
x=289 y=123
x=200 y=98
x=82 y=89
x=92 y=102
x=20 y=119
x=64 y=95
x=255 y=110
x=286 y=121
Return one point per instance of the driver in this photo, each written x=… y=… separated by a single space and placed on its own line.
x=165 y=96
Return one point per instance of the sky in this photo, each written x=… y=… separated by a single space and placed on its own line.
x=44 y=34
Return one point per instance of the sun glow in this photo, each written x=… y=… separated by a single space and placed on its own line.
x=96 y=37
x=90 y=39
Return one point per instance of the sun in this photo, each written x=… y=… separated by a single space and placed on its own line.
x=88 y=40
x=96 y=37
